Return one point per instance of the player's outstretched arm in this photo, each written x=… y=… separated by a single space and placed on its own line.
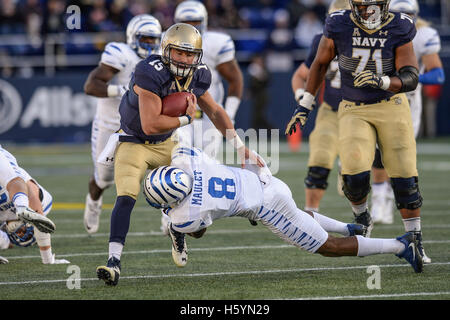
x=152 y=121
x=97 y=82
x=298 y=81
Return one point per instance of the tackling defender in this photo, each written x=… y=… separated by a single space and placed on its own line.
x=426 y=45
x=145 y=140
x=109 y=81
x=377 y=65
x=196 y=190
x=219 y=56
x=21 y=195
x=323 y=141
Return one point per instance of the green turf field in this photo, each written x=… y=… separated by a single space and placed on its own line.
x=234 y=260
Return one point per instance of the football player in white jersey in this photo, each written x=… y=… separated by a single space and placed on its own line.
x=219 y=56
x=19 y=194
x=109 y=81
x=426 y=45
x=195 y=190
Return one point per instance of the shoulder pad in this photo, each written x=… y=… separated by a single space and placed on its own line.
x=151 y=74
x=202 y=79
x=336 y=22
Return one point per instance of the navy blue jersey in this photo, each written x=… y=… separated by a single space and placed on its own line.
x=360 y=49
x=332 y=93
x=153 y=75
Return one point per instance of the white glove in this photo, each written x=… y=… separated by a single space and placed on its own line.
x=56 y=261
x=114 y=90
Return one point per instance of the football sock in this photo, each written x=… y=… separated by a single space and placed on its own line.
x=120 y=219
x=359 y=208
x=412 y=224
x=115 y=250
x=20 y=199
x=46 y=256
x=331 y=225
x=371 y=246
x=311 y=209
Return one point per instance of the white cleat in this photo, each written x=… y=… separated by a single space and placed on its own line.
x=388 y=213
x=40 y=221
x=179 y=248
x=92 y=211
x=3 y=260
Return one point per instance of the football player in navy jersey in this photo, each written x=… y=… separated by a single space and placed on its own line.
x=145 y=138
x=377 y=65
x=323 y=140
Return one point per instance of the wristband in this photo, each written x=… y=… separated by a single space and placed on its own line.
x=112 y=90
x=236 y=142
x=386 y=82
x=231 y=106
x=307 y=100
x=184 y=120
x=298 y=94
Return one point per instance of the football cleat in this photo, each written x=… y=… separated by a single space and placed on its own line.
x=40 y=221
x=411 y=252
x=378 y=207
x=355 y=229
x=425 y=258
x=110 y=273
x=364 y=219
x=179 y=248
x=3 y=260
x=92 y=211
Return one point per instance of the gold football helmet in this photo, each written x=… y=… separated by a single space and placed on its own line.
x=370 y=13
x=184 y=37
x=337 y=5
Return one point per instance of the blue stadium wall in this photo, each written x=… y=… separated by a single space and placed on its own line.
x=55 y=109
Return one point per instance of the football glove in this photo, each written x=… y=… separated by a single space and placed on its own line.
x=369 y=79
x=301 y=113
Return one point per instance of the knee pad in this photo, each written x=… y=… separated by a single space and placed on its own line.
x=377 y=162
x=317 y=178
x=407 y=194
x=357 y=186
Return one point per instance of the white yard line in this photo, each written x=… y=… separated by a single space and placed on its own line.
x=375 y=296
x=214 y=274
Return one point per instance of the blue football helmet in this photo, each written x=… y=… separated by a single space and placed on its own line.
x=143 y=25
x=166 y=186
x=19 y=233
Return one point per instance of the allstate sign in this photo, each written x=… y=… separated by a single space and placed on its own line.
x=45 y=109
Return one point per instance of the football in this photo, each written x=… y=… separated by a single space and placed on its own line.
x=175 y=104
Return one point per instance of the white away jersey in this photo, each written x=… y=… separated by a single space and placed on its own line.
x=218 y=48
x=121 y=57
x=426 y=41
x=216 y=191
x=9 y=170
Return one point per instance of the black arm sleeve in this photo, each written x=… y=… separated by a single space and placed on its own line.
x=410 y=78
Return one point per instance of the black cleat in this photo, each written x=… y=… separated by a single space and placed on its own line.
x=110 y=273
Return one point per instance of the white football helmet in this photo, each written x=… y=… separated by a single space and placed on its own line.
x=19 y=233
x=370 y=13
x=143 y=25
x=405 y=6
x=166 y=186
x=190 y=10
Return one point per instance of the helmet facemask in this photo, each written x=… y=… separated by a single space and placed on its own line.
x=144 y=48
x=178 y=68
x=370 y=13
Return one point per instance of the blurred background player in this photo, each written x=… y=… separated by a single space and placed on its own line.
x=219 y=56
x=323 y=141
x=223 y=191
x=109 y=81
x=427 y=45
x=14 y=231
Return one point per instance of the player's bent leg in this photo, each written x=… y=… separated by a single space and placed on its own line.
x=356 y=188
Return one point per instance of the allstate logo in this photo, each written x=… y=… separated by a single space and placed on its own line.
x=10 y=106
